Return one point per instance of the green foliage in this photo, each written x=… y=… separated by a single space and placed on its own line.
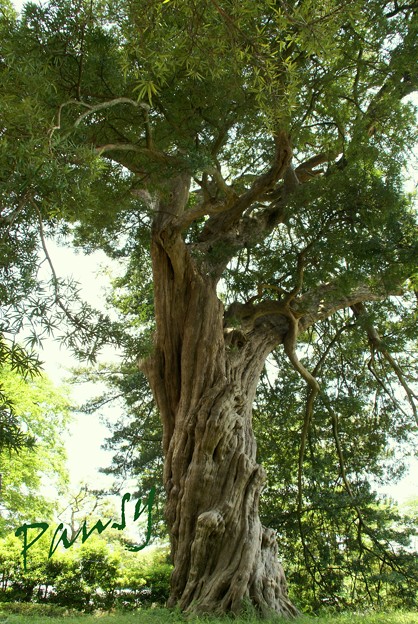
x=46 y=614
x=43 y=412
x=340 y=543
x=85 y=580
x=25 y=364
x=19 y=585
x=34 y=199
x=213 y=95
x=144 y=581
x=95 y=575
x=21 y=611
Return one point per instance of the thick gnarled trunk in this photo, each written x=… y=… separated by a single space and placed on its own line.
x=204 y=379
x=222 y=554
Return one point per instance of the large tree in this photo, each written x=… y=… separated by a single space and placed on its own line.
x=254 y=150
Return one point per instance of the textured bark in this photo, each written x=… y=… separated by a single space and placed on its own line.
x=204 y=379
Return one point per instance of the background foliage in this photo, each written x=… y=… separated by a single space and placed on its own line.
x=95 y=575
x=43 y=413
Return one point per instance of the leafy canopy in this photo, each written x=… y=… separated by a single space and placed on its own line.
x=134 y=92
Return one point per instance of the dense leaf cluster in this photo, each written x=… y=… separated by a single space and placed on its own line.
x=95 y=577
x=40 y=417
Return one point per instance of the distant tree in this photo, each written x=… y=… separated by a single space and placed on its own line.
x=84 y=505
x=345 y=548
x=43 y=413
x=247 y=159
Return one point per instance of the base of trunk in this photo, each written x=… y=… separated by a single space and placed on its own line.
x=268 y=589
x=247 y=577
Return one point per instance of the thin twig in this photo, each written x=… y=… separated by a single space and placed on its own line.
x=376 y=341
x=76 y=322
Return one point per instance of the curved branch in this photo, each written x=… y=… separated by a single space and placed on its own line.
x=399 y=83
x=97 y=107
x=376 y=341
x=57 y=126
x=131 y=147
x=109 y=104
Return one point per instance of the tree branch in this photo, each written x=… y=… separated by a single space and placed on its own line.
x=403 y=7
x=308 y=308
x=108 y=104
x=57 y=126
x=318 y=304
x=376 y=342
x=231 y=213
x=304 y=172
x=131 y=147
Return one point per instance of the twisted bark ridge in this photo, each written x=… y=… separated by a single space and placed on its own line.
x=204 y=378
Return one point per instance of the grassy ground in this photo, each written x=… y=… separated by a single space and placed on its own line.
x=161 y=616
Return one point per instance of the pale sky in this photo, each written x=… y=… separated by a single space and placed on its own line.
x=19 y=3
x=87 y=433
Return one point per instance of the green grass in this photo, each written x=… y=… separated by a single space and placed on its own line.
x=161 y=616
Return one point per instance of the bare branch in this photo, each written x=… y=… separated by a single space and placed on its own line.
x=57 y=126
x=75 y=320
x=150 y=154
x=97 y=107
x=109 y=104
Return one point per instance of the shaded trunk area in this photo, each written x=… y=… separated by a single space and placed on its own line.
x=204 y=380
